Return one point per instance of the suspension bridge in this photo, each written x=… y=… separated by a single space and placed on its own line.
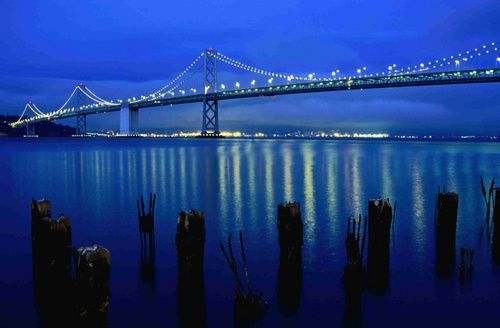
x=211 y=90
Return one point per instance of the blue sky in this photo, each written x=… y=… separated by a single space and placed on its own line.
x=122 y=49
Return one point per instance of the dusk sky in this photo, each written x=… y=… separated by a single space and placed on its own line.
x=129 y=48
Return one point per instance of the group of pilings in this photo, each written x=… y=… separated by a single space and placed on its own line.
x=80 y=301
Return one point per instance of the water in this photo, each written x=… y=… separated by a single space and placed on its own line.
x=238 y=184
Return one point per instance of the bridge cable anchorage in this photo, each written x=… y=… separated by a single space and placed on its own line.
x=161 y=92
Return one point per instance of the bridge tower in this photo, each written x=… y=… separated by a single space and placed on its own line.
x=210 y=126
x=81 y=119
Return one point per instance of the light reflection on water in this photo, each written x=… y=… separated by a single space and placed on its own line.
x=239 y=183
x=269 y=187
x=308 y=209
x=287 y=172
x=420 y=216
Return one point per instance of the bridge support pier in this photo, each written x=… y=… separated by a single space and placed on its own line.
x=30 y=130
x=129 y=120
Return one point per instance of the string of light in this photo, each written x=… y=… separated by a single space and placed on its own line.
x=456 y=59
x=67 y=101
x=161 y=92
x=237 y=64
x=38 y=111
x=100 y=102
x=99 y=98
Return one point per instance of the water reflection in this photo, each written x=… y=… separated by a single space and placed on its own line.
x=332 y=169
x=172 y=181
x=252 y=189
x=387 y=172
x=223 y=188
x=269 y=189
x=352 y=181
x=419 y=208
x=286 y=154
x=309 y=208
x=182 y=177
x=332 y=179
x=236 y=184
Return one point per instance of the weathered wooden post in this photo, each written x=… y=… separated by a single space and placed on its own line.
x=291 y=240
x=496 y=227
x=92 y=285
x=446 y=223
x=466 y=267
x=147 y=228
x=248 y=306
x=354 y=273
x=190 y=243
x=51 y=254
x=379 y=234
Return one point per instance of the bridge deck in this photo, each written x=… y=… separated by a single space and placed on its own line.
x=419 y=79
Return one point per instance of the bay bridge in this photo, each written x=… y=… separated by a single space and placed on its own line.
x=211 y=90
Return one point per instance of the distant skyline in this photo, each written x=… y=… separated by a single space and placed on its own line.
x=128 y=48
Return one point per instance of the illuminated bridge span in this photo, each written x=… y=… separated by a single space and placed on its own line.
x=211 y=92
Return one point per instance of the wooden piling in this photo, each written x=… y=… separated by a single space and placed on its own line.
x=147 y=228
x=51 y=257
x=446 y=223
x=496 y=227
x=379 y=234
x=354 y=277
x=290 y=230
x=190 y=243
x=466 y=266
x=92 y=285
x=250 y=305
x=290 y=236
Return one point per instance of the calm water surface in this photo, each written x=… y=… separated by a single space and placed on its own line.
x=238 y=184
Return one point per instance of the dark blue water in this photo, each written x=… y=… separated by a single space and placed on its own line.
x=238 y=184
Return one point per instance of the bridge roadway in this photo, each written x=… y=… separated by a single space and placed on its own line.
x=417 y=79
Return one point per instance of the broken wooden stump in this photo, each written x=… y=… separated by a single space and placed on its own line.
x=466 y=267
x=249 y=306
x=379 y=234
x=190 y=244
x=147 y=228
x=354 y=277
x=290 y=230
x=290 y=236
x=51 y=256
x=446 y=223
x=487 y=200
x=92 y=285
x=496 y=227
